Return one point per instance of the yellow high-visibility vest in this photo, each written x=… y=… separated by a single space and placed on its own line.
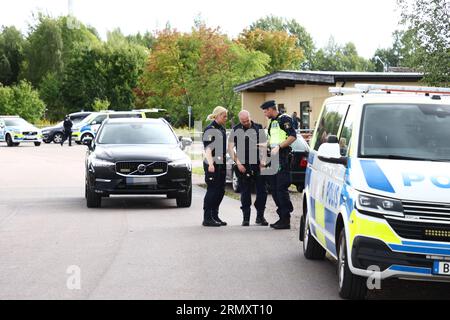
x=276 y=135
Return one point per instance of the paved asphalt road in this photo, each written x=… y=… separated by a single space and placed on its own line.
x=144 y=248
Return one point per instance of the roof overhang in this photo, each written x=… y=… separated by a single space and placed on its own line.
x=288 y=79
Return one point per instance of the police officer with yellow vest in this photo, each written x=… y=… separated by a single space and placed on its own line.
x=281 y=135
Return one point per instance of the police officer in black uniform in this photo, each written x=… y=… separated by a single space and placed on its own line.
x=68 y=124
x=247 y=138
x=281 y=135
x=214 y=141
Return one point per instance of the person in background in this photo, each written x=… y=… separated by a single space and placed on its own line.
x=295 y=121
x=68 y=124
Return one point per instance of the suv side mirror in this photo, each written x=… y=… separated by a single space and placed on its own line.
x=185 y=142
x=331 y=153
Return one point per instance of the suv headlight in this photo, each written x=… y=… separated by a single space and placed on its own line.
x=99 y=163
x=379 y=205
x=182 y=163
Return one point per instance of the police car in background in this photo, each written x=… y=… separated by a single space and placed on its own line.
x=14 y=130
x=87 y=129
x=377 y=194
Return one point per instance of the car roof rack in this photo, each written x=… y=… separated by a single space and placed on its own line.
x=388 y=89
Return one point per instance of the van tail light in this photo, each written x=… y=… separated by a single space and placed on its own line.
x=303 y=162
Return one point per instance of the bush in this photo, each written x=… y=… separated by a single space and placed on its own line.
x=21 y=100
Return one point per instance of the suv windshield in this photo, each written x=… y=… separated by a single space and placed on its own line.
x=16 y=122
x=136 y=133
x=400 y=131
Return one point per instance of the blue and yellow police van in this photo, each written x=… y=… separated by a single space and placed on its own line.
x=377 y=189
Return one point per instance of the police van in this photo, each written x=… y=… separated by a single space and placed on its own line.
x=87 y=129
x=377 y=189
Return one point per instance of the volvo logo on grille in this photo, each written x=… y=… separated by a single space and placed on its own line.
x=142 y=168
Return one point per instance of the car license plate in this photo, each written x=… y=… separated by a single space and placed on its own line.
x=30 y=137
x=441 y=268
x=144 y=181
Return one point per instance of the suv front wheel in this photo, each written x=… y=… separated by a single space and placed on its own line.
x=184 y=200
x=93 y=200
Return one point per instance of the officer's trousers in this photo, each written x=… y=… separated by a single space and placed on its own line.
x=279 y=185
x=246 y=186
x=67 y=135
x=215 y=191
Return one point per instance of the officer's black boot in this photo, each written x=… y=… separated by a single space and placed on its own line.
x=208 y=221
x=276 y=223
x=246 y=222
x=260 y=220
x=215 y=217
x=283 y=224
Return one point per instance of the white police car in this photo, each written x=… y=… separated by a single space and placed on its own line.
x=377 y=190
x=15 y=130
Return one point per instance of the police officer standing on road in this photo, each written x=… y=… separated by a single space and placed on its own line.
x=214 y=141
x=68 y=124
x=281 y=136
x=247 y=138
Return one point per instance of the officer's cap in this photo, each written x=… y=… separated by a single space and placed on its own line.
x=268 y=104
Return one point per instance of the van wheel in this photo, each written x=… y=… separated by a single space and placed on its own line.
x=37 y=144
x=350 y=286
x=312 y=250
x=93 y=200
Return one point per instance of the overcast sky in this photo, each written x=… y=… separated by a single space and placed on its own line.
x=367 y=23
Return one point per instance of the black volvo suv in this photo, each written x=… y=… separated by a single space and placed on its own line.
x=137 y=157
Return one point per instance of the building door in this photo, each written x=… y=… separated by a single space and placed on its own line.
x=305 y=114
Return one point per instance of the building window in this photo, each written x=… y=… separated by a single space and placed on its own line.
x=305 y=115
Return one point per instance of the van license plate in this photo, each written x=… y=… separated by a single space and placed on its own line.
x=442 y=268
x=136 y=181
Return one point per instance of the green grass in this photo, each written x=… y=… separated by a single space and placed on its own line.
x=198 y=171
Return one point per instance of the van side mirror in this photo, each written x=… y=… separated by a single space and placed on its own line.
x=331 y=153
x=89 y=143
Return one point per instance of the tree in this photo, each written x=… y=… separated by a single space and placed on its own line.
x=108 y=71
x=100 y=105
x=11 y=55
x=51 y=44
x=50 y=93
x=292 y=27
x=427 y=37
x=44 y=50
x=197 y=69
x=340 y=58
x=278 y=45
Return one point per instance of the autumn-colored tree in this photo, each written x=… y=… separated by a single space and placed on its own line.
x=278 y=45
x=293 y=28
x=197 y=69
